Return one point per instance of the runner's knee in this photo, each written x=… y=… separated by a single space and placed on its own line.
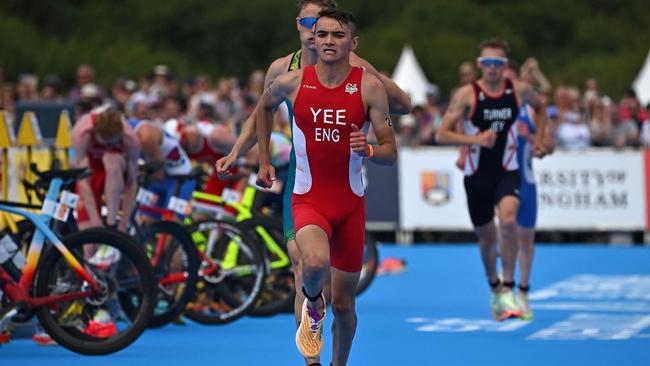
x=114 y=164
x=314 y=264
x=342 y=305
x=487 y=234
x=507 y=225
x=507 y=218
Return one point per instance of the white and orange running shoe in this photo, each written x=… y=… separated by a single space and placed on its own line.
x=309 y=336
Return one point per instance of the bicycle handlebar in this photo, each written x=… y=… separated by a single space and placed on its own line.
x=65 y=174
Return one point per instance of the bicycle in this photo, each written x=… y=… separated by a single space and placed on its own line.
x=279 y=289
x=232 y=291
x=78 y=276
x=170 y=249
x=166 y=243
x=226 y=289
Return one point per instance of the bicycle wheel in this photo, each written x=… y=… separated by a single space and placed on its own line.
x=175 y=269
x=114 y=260
x=279 y=288
x=370 y=263
x=232 y=272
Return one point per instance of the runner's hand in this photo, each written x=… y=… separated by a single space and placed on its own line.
x=265 y=176
x=460 y=162
x=539 y=150
x=224 y=165
x=358 y=141
x=487 y=139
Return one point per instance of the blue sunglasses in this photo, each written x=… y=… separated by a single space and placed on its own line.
x=308 y=22
x=492 y=61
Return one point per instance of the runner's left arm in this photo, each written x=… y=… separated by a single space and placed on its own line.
x=132 y=152
x=528 y=95
x=385 y=152
x=398 y=101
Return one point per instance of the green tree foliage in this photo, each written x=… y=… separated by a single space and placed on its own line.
x=573 y=40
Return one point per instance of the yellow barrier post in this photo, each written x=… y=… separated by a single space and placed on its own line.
x=29 y=135
x=63 y=139
x=7 y=140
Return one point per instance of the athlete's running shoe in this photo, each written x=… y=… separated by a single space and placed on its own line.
x=509 y=305
x=105 y=256
x=5 y=337
x=43 y=339
x=101 y=326
x=524 y=306
x=309 y=336
x=495 y=304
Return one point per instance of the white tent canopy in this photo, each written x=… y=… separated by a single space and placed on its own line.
x=409 y=76
x=642 y=83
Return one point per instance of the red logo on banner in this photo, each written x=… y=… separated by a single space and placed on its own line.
x=435 y=187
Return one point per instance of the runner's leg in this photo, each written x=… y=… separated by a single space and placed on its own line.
x=313 y=245
x=294 y=254
x=487 y=238
x=344 y=287
x=526 y=254
x=508 y=234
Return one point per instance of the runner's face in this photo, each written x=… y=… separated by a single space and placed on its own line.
x=334 y=41
x=307 y=34
x=492 y=73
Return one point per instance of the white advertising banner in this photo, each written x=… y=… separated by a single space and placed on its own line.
x=432 y=195
x=591 y=190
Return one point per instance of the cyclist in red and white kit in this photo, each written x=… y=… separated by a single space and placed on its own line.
x=207 y=142
x=332 y=102
x=105 y=143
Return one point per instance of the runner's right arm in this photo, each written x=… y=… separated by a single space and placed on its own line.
x=80 y=141
x=280 y=89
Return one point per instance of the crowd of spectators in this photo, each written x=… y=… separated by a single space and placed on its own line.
x=578 y=118
x=158 y=96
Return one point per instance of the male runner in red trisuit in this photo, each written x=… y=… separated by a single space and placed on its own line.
x=331 y=103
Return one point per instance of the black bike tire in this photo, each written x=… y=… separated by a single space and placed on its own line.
x=75 y=340
x=285 y=303
x=370 y=272
x=182 y=237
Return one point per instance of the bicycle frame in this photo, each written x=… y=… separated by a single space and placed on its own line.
x=168 y=215
x=244 y=212
x=19 y=292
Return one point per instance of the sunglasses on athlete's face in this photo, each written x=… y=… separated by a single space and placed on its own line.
x=492 y=61
x=308 y=22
